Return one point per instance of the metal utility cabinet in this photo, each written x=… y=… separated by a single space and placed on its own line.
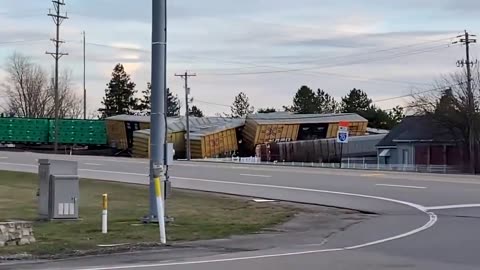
x=59 y=190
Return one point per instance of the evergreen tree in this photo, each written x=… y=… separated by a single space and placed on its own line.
x=241 y=106
x=356 y=101
x=304 y=102
x=173 y=103
x=196 y=112
x=119 y=95
x=325 y=103
x=144 y=102
x=396 y=116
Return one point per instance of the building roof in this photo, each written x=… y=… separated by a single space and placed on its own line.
x=292 y=118
x=417 y=129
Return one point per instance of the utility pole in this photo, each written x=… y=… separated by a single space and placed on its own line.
x=187 y=110
x=467 y=39
x=157 y=116
x=58 y=19
x=84 y=87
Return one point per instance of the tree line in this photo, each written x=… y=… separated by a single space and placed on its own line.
x=307 y=101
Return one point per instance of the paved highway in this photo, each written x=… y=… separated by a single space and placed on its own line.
x=426 y=222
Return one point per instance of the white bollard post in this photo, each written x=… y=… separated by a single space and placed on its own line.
x=160 y=211
x=105 y=214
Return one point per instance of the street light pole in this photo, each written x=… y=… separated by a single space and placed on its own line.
x=157 y=117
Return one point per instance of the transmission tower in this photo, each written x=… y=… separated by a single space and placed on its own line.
x=58 y=19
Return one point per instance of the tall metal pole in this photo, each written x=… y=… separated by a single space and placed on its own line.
x=187 y=112
x=57 y=19
x=157 y=116
x=84 y=87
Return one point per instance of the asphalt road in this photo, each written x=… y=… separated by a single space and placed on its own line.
x=427 y=221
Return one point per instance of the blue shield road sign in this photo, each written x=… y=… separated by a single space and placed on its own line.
x=342 y=136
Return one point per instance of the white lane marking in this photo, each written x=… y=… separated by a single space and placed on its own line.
x=400 y=186
x=263 y=200
x=373 y=175
x=3 y=157
x=458 y=206
x=112 y=172
x=211 y=261
x=186 y=165
x=417 y=206
x=18 y=164
x=256 y=175
x=431 y=222
x=93 y=164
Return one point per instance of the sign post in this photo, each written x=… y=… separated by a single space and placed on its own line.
x=342 y=137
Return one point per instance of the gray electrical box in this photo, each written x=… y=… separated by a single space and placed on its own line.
x=64 y=194
x=58 y=189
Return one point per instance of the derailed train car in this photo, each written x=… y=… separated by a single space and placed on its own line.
x=326 y=150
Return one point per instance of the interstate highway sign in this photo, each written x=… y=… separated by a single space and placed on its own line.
x=342 y=136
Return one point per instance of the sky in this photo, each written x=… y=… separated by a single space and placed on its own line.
x=265 y=48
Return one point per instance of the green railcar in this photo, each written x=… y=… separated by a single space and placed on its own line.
x=42 y=131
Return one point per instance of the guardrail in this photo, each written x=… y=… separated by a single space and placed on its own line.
x=347 y=163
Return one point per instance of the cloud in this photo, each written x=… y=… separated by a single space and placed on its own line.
x=216 y=36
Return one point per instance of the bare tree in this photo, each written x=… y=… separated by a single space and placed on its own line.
x=29 y=92
x=70 y=104
x=455 y=107
x=25 y=87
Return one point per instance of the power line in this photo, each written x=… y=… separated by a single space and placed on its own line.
x=335 y=65
x=23 y=41
x=397 y=55
x=377 y=51
x=302 y=69
x=374 y=101
x=118 y=47
x=418 y=93
x=334 y=74
x=350 y=55
x=211 y=103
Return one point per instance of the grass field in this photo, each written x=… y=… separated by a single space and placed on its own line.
x=197 y=216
